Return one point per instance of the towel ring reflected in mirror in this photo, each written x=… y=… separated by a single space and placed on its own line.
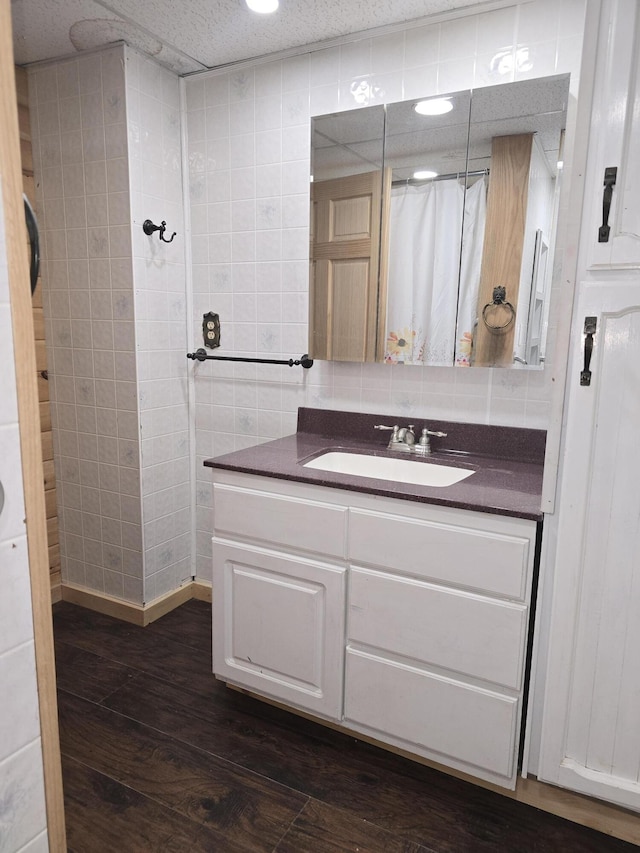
x=499 y=301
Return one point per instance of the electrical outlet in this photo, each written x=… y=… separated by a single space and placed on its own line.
x=211 y=329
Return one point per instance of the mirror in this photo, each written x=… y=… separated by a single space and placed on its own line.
x=450 y=269
x=346 y=226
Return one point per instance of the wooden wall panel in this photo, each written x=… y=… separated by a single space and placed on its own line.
x=28 y=186
x=49 y=474
x=45 y=417
x=50 y=503
x=503 y=242
x=52 y=530
x=47 y=446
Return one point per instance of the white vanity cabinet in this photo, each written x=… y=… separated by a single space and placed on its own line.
x=403 y=621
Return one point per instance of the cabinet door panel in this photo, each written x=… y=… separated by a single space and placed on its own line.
x=283 y=521
x=454 y=554
x=470 y=634
x=440 y=718
x=278 y=626
x=616 y=131
x=590 y=737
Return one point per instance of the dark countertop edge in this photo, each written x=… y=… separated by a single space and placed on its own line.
x=331 y=482
x=500 y=486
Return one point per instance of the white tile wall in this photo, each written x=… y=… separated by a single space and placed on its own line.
x=155 y=161
x=107 y=147
x=79 y=135
x=248 y=132
x=22 y=803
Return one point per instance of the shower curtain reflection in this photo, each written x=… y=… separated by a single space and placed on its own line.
x=430 y=318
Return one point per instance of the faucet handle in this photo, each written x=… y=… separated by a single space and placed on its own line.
x=395 y=441
x=426 y=432
x=423 y=447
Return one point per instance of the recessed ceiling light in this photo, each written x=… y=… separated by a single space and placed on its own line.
x=424 y=175
x=263 y=7
x=433 y=107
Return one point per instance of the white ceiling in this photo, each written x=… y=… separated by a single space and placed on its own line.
x=190 y=35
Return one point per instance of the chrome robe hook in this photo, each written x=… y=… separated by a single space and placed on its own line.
x=148 y=227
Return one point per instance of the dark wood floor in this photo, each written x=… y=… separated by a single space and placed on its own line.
x=158 y=756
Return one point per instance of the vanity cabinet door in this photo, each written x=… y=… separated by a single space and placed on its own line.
x=590 y=739
x=278 y=626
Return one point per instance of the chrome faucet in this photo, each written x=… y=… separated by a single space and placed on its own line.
x=402 y=439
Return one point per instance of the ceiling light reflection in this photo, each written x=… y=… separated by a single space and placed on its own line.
x=263 y=7
x=433 y=107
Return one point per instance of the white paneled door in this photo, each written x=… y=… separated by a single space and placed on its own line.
x=616 y=147
x=591 y=733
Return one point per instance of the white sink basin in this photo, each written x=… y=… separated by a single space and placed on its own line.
x=411 y=471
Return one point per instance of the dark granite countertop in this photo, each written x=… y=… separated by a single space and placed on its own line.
x=507 y=461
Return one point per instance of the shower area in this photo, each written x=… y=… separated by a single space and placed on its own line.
x=107 y=155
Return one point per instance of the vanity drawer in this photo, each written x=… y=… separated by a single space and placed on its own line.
x=436 y=717
x=460 y=554
x=279 y=520
x=476 y=636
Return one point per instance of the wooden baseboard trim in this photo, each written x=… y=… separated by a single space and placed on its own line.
x=201 y=590
x=101 y=603
x=596 y=814
x=166 y=603
x=136 y=614
x=56 y=593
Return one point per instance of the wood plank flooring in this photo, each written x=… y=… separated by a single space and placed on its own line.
x=159 y=756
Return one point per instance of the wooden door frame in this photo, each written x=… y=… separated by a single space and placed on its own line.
x=30 y=443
